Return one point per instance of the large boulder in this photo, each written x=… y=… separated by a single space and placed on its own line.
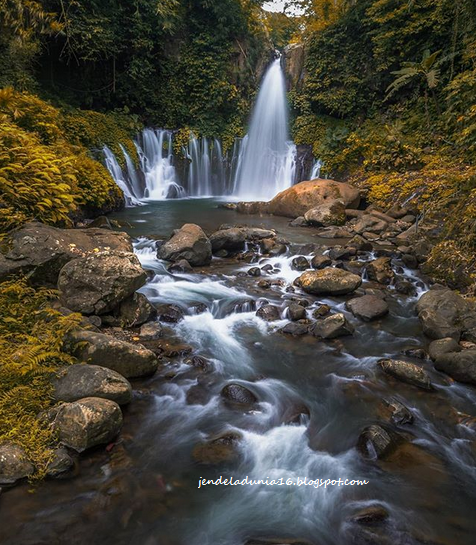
x=443 y=346
x=459 y=365
x=329 y=281
x=79 y=381
x=228 y=239
x=368 y=307
x=444 y=313
x=300 y=198
x=332 y=327
x=190 y=243
x=328 y=213
x=132 y=312
x=86 y=423
x=127 y=359
x=41 y=251
x=406 y=372
x=98 y=283
x=14 y=464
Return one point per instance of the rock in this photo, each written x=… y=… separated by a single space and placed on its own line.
x=86 y=423
x=199 y=362
x=368 y=307
x=295 y=312
x=14 y=464
x=406 y=372
x=395 y=412
x=255 y=207
x=326 y=214
x=444 y=313
x=198 y=308
x=129 y=360
x=459 y=365
x=79 y=381
x=180 y=266
x=151 y=331
x=269 y=313
x=236 y=394
x=415 y=352
x=300 y=263
x=134 y=311
x=443 y=346
x=410 y=261
x=382 y=216
x=334 y=232
x=370 y=224
x=397 y=212
x=278 y=249
x=267 y=244
x=254 y=271
x=332 y=327
x=375 y=514
x=60 y=463
x=321 y=310
x=218 y=450
x=380 y=270
x=294 y=329
x=97 y=284
x=375 y=442
x=338 y=253
x=228 y=239
x=321 y=262
x=255 y=234
x=169 y=313
x=404 y=287
x=329 y=281
x=190 y=243
x=300 y=198
x=300 y=221
x=41 y=251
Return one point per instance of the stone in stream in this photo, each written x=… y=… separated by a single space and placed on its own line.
x=460 y=366
x=169 y=313
x=129 y=360
x=375 y=442
x=41 y=251
x=82 y=380
x=321 y=262
x=86 y=423
x=395 y=412
x=375 y=514
x=329 y=281
x=406 y=372
x=300 y=263
x=254 y=271
x=278 y=249
x=380 y=270
x=332 y=327
x=134 y=311
x=321 y=310
x=99 y=283
x=368 y=307
x=269 y=313
x=339 y=253
x=60 y=463
x=190 y=243
x=295 y=312
x=180 y=266
x=326 y=214
x=14 y=464
x=360 y=244
x=236 y=394
x=300 y=221
x=218 y=450
x=151 y=331
x=294 y=329
x=267 y=244
x=370 y=224
x=443 y=346
x=228 y=239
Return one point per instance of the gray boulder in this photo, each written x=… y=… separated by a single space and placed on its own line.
x=86 y=423
x=329 y=281
x=269 y=313
x=190 y=243
x=97 y=284
x=127 y=359
x=326 y=214
x=380 y=270
x=406 y=372
x=459 y=365
x=228 y=239
x=321 y=262
x=368 y=307
x=443 y=346
x=132 y=312
x=82 y=380
x=14 y=464
x=332 y=327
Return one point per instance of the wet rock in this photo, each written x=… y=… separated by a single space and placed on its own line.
x=14 y=464
x=264 y=284
x=278 y=249
x=332 y=327
x=255 y=207
x=405 y=287
x=236 y=394
x=370 y=224
x=82 y=380
x=375 y=442
x=334 y=232
x=329 y=281
x=338 y=253
x=406 y=372
x=443 y=346
x=415 y=352
x=218 y=450
x=41 y=251
x=296 y=414
x=295 y=329
x=321 y=262
x=198 y=394
x=228 y=239
x=199 y=362
x=97 y=284
x=300 y=198
x=375 y=514
x=380 y=270
x=267 y=244
x=86 y=423
x=254 y=271
x=321 y=310
x=256 y=234
x=169 y=313
x=134 y=311
x=410 y=261
x=180 y=266
x=198 y=308
x=444 y=313
x=459 y=365
x=295 y=312
x=129 y=360
x=269 y=313
x=326 y=214
x=395 y=412
x=300 y=221
x=368 y=307
x=60 y=463
x=300 y=263
x=190 y=243
x=360 y=244
x=151 y=331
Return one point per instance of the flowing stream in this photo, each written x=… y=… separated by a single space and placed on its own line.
x=144 y=491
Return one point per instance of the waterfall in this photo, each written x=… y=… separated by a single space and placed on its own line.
x=268 y=157
x=316 y=170
x=116 y=172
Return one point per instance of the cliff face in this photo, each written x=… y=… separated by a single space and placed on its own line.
x=293 y=59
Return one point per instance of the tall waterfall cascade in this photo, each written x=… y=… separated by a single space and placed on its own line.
x=257 y=167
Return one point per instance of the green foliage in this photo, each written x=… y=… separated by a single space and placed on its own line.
x=31 y=339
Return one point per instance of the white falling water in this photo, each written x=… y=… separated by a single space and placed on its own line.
x=267 y=162
x=116 y=172
x=199 y=173
x=316 y=170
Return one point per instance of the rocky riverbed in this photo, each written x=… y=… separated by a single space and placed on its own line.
x=245 y=351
